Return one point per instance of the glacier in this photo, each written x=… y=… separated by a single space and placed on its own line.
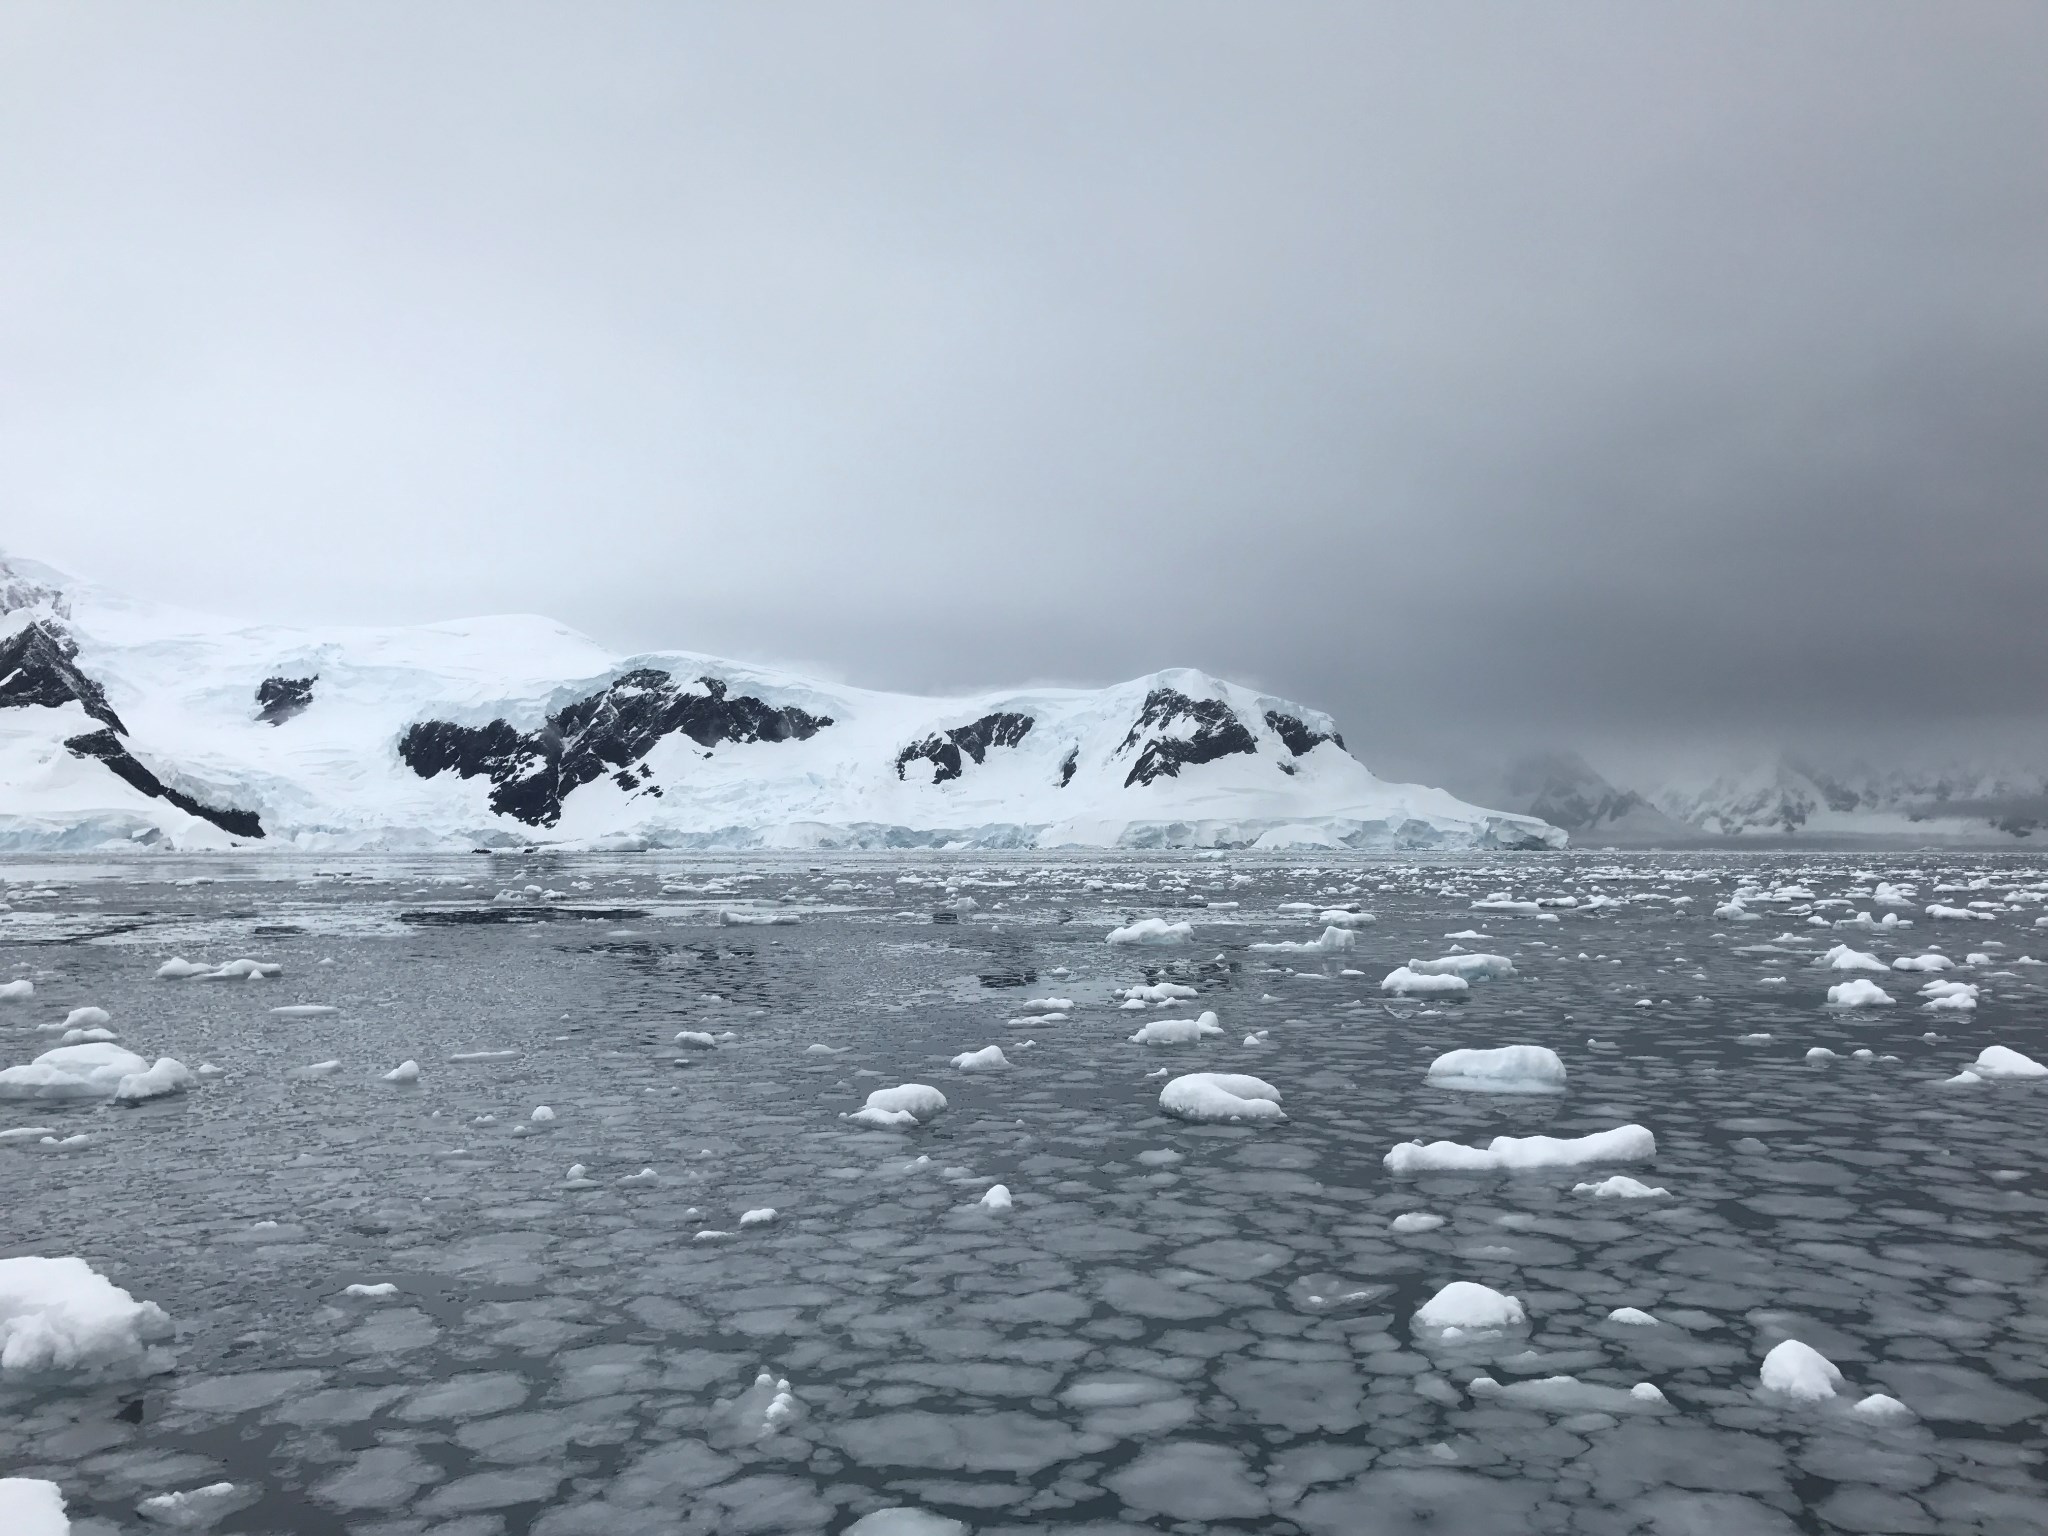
x=129 y=723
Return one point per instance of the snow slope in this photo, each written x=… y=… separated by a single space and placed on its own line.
x=132 y=722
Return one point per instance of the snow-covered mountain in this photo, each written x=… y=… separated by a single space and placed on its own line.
x=1565 y=790
x=131 y=722
x=1786 y=796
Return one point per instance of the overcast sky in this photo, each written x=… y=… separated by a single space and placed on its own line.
x=1624 y=376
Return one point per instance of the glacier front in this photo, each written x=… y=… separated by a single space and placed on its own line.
x=124 y=722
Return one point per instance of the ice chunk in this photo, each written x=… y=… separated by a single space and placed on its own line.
x=1507 y=1069
x=404 y=1072
x=1883 y=1409
x=1158 y=992
x=1177 y=1031
x=304 y=1010
x=86 y=1018
x=1623 y=1144
x=1220 y=1096
x=2001 y=1061
x=902 y=1520
x=1800 y=1371
x=1152 y=930
x=178 y=968
x=1403 y=981
x=1619 y=1187
x=1344 y=917
x=61 y=1314
x=165 y=1077
x=1332 y=941
x=1471 y=967
x=542 y=1114
x=758 y=1217
x=90 y=1071
x=1416 y=1221
x=989 y=1058
x=996 y=1198
x=1858 y=993
x=1465 y=1311
x=1635 y=1317
x=380 y=1292
x=898 y=1108
x=195 y=1509
x=1926 y=962
x=19 y=990
x=1843 y=958
x=1567 y=1394
x=697 y=1037
x=31 y=1507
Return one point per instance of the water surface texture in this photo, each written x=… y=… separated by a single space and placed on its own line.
x=1176 y=1327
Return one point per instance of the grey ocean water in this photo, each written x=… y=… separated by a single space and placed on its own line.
x=1213 y=1340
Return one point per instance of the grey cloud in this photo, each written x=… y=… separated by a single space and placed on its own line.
x=1589 y=374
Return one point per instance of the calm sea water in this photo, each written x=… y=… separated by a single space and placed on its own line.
x=1215 y=1339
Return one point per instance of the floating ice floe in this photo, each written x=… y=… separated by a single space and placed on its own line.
x=1157 y=992
x=1403 y=981
x=1466 y=1312
x=989 y=1058
x=1623 y=1144
x=1927 y=962
x=2002 y=1061
x=29 y=1506
x=304 y=1011
x=1800 y=1371
x=1223 y=1096
x=733 y=919
x=698 y=1038
x=238 y=970
x=19 y=990
x=1333 y=940
x=195 y=1508
x=758 y=1217
x=1950 y=996
x=84 y=1018
x=1176 y=1031
x=1152 y=930
x=1619 y=1187
x=903 y=1520
x=63 y=1315
x=483 y=1055
x=1344 y=917
x=899 y=1108
x=1883 y=1410
x=382 y=1291
x=1471 y=967
x=996 y=1198
x=1634 y=1317
x=317 y=1069
x=542 y=1114
x=94 y=1070
x=179 y=968
x=1858 y=993
x=1957 y=914
x=1567 y=1394
x=1416 y=1221
x=404 y=1072
x=1507 y=1069
x=1843 y=958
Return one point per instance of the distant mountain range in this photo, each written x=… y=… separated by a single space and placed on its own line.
x=1780 y=798
x=126 y=723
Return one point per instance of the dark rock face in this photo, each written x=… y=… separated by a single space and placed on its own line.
x=944 y=751
x=1068 y=764
x=1296 y=734
x=279 y=698
x=1217 y=733
x=532 y=773
x=38 y=665
x=106 y=747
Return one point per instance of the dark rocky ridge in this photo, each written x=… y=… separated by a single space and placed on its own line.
x=280 y=698
x=1296 y=734
x=38 y=665
x=1218 y=733
x=944 y=751
x=532 y=772
x=106 y=747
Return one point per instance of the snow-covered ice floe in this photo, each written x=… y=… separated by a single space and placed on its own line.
x=94 y=1070
x=1800 y=1371
x=1227 y=1096
x=1152 y=930
x=1858 y=993
x=2003 y=1061
x=989 y=1058
x=29 y=1506
x=1405 y=981
x=1506 y=1069
x=1466 y=1312
x=1567 y=1394
x=1176 y=1031
x=899 y=1108
x=1620 y=1187
x=63 y=1315
x=1471 y=967
x=1333 y=941
x=1623 y=1144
